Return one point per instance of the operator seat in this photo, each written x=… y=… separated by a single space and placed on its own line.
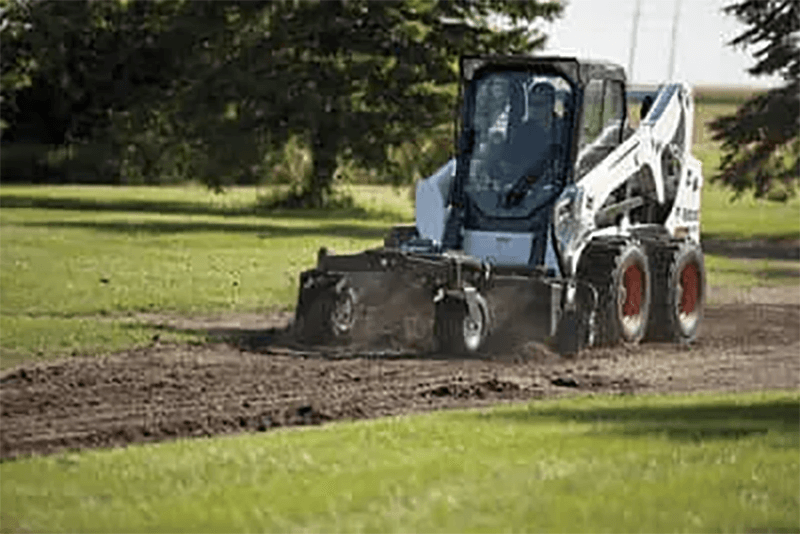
x=530 y=128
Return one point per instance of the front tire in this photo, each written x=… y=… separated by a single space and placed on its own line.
x=621 y=274
x=632 y=294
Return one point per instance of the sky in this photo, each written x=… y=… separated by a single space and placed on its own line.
x=601 y=29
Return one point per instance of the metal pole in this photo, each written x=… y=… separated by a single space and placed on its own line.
x=676 y=15
x=634 y=33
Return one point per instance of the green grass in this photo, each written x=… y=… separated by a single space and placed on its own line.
x=704 y=147
x=715 y=94
x=48 y=336
x=722 y=271
x=722 y=463
x=747 y=218
x=77 y=263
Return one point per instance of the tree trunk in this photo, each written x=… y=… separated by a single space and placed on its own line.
x=319 y=187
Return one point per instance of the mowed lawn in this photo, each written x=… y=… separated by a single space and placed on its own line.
x=79 y=266
x=711 y=463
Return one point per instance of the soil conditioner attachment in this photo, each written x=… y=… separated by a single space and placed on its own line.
x=556 y=222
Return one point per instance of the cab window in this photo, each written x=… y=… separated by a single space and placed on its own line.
x=601 y=128
x=613 y=110
x=592 y=113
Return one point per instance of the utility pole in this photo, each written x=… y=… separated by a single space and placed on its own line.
x=637 y=11
x=676 y=15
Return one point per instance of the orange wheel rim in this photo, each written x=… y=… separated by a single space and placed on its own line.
x=633 y=291
x=690 y=283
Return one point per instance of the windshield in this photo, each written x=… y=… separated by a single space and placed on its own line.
x=520 y=124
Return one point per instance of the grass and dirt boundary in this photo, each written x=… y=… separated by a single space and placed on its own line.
x=114 y=303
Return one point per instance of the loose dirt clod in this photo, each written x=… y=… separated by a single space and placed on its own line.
x=256 y=382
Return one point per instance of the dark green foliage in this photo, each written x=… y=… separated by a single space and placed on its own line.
x=761 y=142
x=177 y=89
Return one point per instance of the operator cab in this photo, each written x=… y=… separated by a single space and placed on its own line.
x=529 y=127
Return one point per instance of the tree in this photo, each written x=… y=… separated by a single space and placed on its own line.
x=761 y=141
x=105 y=79
x=206 y=89
x=355 y=77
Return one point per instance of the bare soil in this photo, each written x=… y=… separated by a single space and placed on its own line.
x=255 y=381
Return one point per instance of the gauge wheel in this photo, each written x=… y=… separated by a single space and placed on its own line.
x=457 y=332
x=329 y=317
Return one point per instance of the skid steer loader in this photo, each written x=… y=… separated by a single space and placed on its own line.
x=555 y=222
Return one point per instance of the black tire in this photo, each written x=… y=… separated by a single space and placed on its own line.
x=455 y=332
x=328 y=317
x=679 y=288
x=568 y=340
x=620 y=272
x=400 y=234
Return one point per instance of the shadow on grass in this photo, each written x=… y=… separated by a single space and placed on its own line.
x=188 y=208
x=777 y=273
x=777 y=247
x=263 y=231
x=691 y=422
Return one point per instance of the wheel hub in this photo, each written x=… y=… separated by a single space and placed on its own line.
x=472 y=332
x=343 y=315
x=630 y=303
x=632 y=283
x=690 y=289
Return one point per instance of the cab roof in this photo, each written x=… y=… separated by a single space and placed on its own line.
x=580 y=70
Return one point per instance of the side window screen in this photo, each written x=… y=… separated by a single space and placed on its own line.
x=603 y=113
x=613 y=109
x=592 y=112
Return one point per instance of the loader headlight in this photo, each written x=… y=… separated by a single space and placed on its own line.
x=568 y=227
x=566 y=216
x=563 y=212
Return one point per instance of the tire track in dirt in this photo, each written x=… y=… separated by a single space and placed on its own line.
x=169 y=391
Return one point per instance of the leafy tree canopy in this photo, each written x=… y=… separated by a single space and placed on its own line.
x=761 y=141
x=214 y=86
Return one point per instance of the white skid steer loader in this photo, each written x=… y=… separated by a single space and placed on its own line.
x=555 y=222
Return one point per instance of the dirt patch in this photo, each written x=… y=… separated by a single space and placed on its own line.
x=253 y=383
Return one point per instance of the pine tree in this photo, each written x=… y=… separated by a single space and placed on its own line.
x=761 y=141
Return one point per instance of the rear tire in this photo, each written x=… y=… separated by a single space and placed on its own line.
x=456 y=332
x=680 y=286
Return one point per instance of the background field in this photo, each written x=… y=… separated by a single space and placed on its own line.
x=91 y=269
